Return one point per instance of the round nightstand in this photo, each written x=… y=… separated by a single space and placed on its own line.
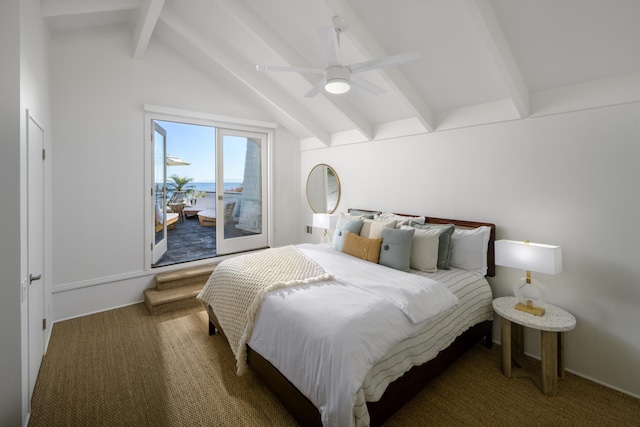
x=552 y=325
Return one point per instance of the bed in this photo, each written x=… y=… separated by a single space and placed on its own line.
x=403 y=368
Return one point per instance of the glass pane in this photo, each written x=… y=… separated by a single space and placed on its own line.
x=242 y=185
x=159 y=179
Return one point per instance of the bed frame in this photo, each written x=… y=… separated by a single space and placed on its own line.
x=399 y=392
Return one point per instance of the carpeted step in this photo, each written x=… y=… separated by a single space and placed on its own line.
x=184 y=277
x=171 y=299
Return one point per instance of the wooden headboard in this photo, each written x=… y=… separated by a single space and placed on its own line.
x=491 y=260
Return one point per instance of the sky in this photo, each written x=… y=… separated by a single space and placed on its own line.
x=196 y=145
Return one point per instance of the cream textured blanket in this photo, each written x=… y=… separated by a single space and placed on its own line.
x=238 y=285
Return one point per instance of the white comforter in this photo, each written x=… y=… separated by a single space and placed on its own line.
x=324 y=337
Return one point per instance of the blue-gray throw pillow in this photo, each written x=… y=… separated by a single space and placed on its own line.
x=396 y=248
x=344 y=225
x=444 y=242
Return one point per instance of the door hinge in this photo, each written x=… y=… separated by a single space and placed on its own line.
x=151 y=247
x=44 y=324
x=44 y=154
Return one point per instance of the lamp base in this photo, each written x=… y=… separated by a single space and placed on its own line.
x=526 y=304
x=529 y=308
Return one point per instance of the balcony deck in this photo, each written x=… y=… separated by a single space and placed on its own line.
x=189 y=241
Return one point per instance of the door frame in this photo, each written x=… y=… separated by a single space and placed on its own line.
x=156 y=112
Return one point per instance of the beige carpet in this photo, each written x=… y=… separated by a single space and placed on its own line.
x=126 y=367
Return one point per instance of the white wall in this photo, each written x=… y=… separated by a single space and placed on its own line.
x=569 y=179
x=10 y=303
x=98 y=93
x=34 y=97
x=24 y=85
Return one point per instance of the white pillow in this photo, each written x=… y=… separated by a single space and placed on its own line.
x=469 y=249
x=399 y=219
x=424 y=249
x=373 y=229
x=343 y=215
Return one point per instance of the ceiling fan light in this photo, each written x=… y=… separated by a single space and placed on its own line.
x=337 y=79
x=337 y=86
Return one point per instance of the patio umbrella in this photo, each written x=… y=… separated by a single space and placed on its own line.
x=175 y=161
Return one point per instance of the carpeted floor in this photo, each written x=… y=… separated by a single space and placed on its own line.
x=127 y=368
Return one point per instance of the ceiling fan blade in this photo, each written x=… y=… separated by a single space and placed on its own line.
x=289 y=69
x=315 y=89
x=330 y=44
x=366 y=85
x=384 y=62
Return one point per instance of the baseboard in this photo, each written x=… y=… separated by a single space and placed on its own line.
x=586 y=377
x=100 y=297
x=602 y=383
x=77 y=299
x=100 y=281
x=98 y=311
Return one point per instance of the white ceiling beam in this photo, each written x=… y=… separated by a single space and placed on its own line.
x=252 y=23
x=489 y=29
x=149 y=14
x=51 y=8
x=246 y=75
x=372 y=49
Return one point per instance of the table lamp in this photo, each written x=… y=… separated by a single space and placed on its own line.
x=326 y=221
x=530 y=257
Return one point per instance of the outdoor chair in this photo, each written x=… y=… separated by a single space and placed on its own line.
x=172 y=219
x=207 y=217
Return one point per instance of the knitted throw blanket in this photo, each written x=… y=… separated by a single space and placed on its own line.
x=238 y=285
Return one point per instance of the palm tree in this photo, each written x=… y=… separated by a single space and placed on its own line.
x=180 y=184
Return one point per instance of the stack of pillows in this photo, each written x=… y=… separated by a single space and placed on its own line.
x=405 y=243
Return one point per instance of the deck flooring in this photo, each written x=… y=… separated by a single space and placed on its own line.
x=190 y=241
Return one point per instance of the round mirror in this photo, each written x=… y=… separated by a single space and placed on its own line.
x=323 y=189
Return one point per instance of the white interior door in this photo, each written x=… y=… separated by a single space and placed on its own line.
x=159 y=193
x=241 y=217
x=35 y=236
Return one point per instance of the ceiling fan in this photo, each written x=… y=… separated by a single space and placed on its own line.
x=338 y=77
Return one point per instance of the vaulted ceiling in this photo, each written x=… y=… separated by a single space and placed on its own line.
x=482 y=61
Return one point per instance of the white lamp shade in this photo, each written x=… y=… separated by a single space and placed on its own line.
x=536 y=257
x=326 y=221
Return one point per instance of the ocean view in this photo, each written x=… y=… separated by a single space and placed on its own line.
x=211 y=186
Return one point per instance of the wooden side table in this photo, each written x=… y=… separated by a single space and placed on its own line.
x=552 y=325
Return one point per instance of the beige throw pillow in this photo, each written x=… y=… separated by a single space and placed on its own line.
x=424 y=249
x=373 y=229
